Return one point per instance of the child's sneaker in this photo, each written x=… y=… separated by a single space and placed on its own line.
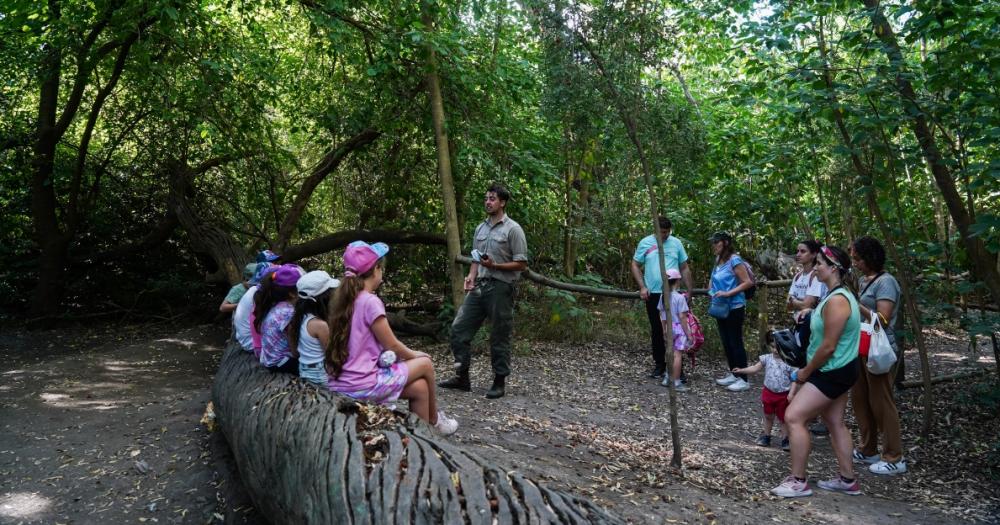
x=859 y=457
x=445 y=425
x=792 y=488
x=838 y=484
x=888 y=469
x=763 y=441
x=785 y=445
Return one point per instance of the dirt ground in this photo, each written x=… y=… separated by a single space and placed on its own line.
x=101 y=425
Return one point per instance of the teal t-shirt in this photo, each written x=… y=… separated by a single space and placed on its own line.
x=235 y=293
x=646 y=255
x=847 y=347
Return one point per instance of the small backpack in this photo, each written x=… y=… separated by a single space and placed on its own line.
x=696 y=335
x=752 y=291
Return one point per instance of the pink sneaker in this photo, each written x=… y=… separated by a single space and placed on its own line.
x=792 y=488
x=445 y=425
x=837 y=484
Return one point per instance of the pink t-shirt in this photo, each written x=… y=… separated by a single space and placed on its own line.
x=362 y=347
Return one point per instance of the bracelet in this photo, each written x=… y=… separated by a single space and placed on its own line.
x=794 y=376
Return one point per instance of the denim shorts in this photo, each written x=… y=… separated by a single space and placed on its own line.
x=314 y=373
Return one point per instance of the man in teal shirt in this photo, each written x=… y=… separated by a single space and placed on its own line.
x=646 y=271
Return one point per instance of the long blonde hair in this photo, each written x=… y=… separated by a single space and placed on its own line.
x=339 y=321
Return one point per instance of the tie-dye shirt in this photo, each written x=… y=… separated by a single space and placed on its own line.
x=274 y=349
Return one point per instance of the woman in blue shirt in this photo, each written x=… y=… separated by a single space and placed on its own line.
x=729 y=279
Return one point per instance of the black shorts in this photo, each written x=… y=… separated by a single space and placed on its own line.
x=835 y=383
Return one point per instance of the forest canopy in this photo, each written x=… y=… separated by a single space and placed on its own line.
x=165 y=141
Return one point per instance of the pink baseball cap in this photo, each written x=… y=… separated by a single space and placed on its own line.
x=673 y=274
x=359 y=257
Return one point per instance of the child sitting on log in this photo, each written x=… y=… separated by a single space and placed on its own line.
x=359 y=358
x=272 y=313
x=308 y=331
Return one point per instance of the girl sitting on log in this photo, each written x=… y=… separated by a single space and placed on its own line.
x=360 y=359
x=308 y=331
x=272 y=313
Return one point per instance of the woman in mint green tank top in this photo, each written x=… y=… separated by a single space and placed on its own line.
x=821 y=387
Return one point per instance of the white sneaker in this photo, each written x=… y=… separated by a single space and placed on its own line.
x=792 y=488
x=888 y=469
x=726 y=381
x=445 y=425
x=858 y=457
x=738 y=386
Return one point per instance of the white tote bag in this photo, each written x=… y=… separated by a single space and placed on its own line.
x=880 y=354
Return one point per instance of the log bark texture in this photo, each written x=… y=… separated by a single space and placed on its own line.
x=307 y=455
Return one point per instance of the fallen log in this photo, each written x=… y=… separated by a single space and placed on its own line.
x=918 y=383
x=401 y=324
x=534 y=276
x=307 y=455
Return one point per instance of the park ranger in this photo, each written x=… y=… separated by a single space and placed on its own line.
x=500 y=254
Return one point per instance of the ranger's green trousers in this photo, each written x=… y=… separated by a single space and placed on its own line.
x=491 y=299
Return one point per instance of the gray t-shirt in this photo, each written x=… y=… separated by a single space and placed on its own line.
x=885 y=287
x=503 y=242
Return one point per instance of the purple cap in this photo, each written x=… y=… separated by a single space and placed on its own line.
x=359 y=257
x=287 y=275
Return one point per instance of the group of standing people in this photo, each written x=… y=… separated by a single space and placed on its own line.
x=836 y=364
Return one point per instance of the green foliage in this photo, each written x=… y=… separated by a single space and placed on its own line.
x=730 y=101
x=555 y=315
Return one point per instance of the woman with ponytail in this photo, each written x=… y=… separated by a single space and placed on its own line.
x=821 y=388
x=358 y=358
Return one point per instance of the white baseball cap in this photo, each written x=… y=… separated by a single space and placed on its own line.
x=313 y=284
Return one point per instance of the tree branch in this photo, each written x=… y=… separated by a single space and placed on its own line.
x=95 y=112
x=342 y=238
x=327 y=165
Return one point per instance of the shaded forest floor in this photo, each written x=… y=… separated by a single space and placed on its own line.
x=102 y=426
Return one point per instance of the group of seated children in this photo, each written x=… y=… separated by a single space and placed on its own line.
x=333 y=332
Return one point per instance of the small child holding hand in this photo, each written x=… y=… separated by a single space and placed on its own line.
x=774 y=394
x=683 y=339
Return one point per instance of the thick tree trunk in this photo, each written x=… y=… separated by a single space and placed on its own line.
x=53 y=243
x=307 y=455
x=451 y=226
x=206 y=237
x=983 y=263
x=868 y=178
x=52 y=237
